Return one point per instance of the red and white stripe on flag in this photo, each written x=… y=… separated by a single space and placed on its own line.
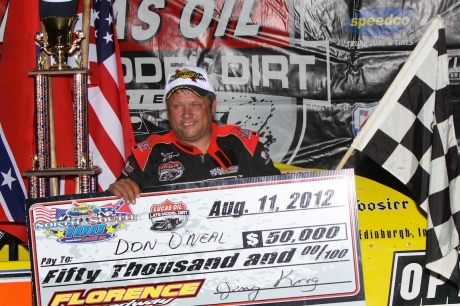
x=110 y=131
x=43 y=214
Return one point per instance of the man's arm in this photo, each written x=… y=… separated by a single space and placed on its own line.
x=129 y=183
x=262 y=163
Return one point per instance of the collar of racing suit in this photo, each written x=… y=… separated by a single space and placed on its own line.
x=214 y=151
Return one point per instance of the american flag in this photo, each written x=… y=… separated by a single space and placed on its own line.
x=411 y=135
x=363 y=115
x=43 y=214
x=111 y=135
x=110 y=131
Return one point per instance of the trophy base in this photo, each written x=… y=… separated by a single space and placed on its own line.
x=62 y=171
x=59 y=72
x=60 y=67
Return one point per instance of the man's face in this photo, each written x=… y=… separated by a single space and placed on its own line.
x=190 y=117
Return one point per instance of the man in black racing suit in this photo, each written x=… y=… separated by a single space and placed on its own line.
x=164 y=159
x=196 y=148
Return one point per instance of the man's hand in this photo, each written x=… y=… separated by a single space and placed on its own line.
x=126 y=189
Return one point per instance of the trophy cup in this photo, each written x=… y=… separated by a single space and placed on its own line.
x=57 y=42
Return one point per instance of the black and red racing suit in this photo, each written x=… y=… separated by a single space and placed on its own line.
x=233 y=153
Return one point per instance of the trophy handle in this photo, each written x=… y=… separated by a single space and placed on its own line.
x=40 y=39
x=76 y=43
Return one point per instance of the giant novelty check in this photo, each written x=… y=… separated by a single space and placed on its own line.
x=281 y=240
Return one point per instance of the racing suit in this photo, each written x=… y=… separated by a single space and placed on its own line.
x=233 y=153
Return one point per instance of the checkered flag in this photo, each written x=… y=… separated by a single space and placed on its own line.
x=411 y=135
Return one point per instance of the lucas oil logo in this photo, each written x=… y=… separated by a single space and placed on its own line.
x=168 y=216
x=380 y=21
x=83 y=222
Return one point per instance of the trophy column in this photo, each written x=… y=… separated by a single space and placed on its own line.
x=84 y=171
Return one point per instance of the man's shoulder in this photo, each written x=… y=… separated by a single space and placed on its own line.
x=142 y=150
x=249 y=138
x=153 y=139
x=231 y=129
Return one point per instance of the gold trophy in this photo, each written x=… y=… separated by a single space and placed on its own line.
x=57 y=42
x=58 y=20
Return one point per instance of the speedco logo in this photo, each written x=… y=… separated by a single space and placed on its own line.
x=380 y=21
x=149 y=294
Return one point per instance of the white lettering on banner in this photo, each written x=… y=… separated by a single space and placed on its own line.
x=128 y=77
x=145 y=96
x=302 y=61
x=243 y=28
x=224 y=20
x=140 y=78
x=455 y=62
x=433 y=283
x=120 y=9
x=412 y=282
x=152 y=19
x=186 y=28
x=170 y=63
x=454 y=73
x=411 y=279
x=268 y=74
x=255 y=70
x=233 y=62
x=230 y=63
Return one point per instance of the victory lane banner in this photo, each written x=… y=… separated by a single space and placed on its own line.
x=279 y=240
